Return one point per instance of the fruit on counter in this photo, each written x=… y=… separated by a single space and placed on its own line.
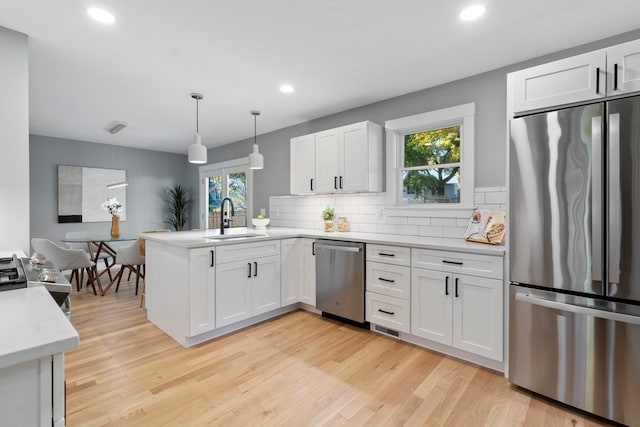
x=260 y=217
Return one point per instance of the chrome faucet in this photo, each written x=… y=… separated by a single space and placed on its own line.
x=222 y=213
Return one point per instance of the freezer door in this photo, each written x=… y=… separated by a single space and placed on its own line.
x=624 y=198
x=555 y=199
x=580 y=351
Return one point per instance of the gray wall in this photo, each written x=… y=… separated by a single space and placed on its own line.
x=487 y=90
x=14 y=141
x=149 y=173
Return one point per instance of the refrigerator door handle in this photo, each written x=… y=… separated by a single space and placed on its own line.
x=338 y=248
x=578 y=309
x=615 y=202
x=596 y=199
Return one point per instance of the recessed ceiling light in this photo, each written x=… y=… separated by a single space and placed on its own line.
x=286 y=89
x=101 y=15
x=472 y=13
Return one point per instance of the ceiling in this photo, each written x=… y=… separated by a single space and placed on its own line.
x=338 y=54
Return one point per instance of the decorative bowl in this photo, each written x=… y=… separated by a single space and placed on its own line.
x=260 y=224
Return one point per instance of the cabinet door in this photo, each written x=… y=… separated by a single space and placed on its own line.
x=354 y=155
x=202 y=291
x=308 y=272
x=290 y=271
x=575 y=79
x=623 y=62
x=265 y=285
x=233 y=292
x=303 y=164
x=431 y=305
x=327 y=160
x=477 y=315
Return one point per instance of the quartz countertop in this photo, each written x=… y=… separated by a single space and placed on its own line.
x=204 y=238
x=33 y=326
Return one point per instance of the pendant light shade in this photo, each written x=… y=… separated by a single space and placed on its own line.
x=197 y=151
x=256 y=161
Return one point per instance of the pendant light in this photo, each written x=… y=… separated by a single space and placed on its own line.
x=197 y=151
x=256 y=161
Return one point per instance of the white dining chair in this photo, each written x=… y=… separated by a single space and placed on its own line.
x=129 y=258
x=68 y=259
x=108 y=258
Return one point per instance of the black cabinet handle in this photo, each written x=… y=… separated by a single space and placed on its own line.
x=457 y=288
x=446 y=285
x=313 y=248
x=598 y=80
x=382 y=279
x=444 y=261
x=386 y=312
x=211 y=258
x=386 y=254
x=615 y=76
x=311 y=184
x=249 y=272
x=255 y=267
x=341 y=182
x=335 y=182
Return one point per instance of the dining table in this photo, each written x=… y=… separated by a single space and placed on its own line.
x=98 y=243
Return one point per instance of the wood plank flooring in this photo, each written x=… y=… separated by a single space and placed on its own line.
x=296 y=370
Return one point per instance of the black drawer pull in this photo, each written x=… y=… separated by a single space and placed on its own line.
x=386 y=254
x=335 y=182
x=255 y=266
x=211 y=258
x=444 y=261
x=311 y=184
x=446 y=285
x=386 y=312
x=249 y=268
x=382 y=279
x=341 y=182
x=457 y=288
x=313 y=248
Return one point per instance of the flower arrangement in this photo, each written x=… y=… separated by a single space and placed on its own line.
x=113 y=207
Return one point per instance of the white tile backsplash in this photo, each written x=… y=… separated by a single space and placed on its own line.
x=368 y=213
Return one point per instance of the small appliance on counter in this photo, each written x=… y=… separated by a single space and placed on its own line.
x=12 y=275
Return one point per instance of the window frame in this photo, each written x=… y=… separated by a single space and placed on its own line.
x=205 y=171
x=462 y=115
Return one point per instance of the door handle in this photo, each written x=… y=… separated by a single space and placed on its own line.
x=457 y=288
x=615 y=200
x=382 y=279
x=313 y=248
x=341 y=182
x=311 y=184
x=596 y=198
x=255 y=267
x=249 y=272
x=335 y=182
x=211 y=265
x=597 y=80
x=386 y=312
x=615 y=76
x=444 y=261
x=446 y=285
x=338 y=248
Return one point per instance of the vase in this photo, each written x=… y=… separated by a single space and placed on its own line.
x=328 y=225
x=115 y=226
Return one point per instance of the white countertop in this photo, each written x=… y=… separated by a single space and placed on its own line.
x=32 y=326
x=204 y=238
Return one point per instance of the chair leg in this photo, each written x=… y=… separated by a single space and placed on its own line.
x=144 y=286
x=129 y=277
x=108 y=267
x=137 y=278
x=74 y=273
x=119 y=276
x=90 y=280
x=82 y=278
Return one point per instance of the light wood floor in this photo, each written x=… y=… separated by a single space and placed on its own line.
x=299 y=369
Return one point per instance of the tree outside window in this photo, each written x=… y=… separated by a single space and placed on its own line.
x=431 y=172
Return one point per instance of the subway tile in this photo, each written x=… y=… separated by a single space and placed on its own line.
x=443 y=222
x=478 y=199
x=368 y=228
x=495 y=198
x=408 y=230
x=387 y=229
x=419 y=221
x=399 y=220
x=453 y=232
x=429 y=231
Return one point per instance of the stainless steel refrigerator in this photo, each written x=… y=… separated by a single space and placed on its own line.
x=574 y=257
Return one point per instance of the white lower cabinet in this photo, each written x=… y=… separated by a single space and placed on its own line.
x=202 y=290
x=290 y=271
x=308 y=295
x=390 y=312
x=247 y=287
x=458 y=310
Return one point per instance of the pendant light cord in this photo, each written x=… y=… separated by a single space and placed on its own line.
x=255 y=128
x=197 y=116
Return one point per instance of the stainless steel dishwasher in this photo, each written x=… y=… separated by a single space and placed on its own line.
x=340 y=279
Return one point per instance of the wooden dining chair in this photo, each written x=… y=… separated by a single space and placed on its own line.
x=142 y=253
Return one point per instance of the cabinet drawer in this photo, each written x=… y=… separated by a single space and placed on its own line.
x=388 y=279
x=389 y=254
x=247 y=251
x=388 y=311
x=457 y=262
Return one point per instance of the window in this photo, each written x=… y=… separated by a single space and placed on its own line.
x=228 y=179
x=430 y=158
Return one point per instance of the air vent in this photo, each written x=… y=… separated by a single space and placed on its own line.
x=387 y=331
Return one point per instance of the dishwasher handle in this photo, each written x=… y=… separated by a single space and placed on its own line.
x=338 y=248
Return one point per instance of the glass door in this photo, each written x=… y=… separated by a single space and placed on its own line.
x=231 y=182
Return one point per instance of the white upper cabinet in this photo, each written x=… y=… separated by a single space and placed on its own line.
x=591 y=76
x=303 y=164
x=575 y=79
x=344 y=159
x=623 y=63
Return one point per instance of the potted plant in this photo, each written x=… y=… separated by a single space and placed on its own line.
x=179 y=200
x=328 y=215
